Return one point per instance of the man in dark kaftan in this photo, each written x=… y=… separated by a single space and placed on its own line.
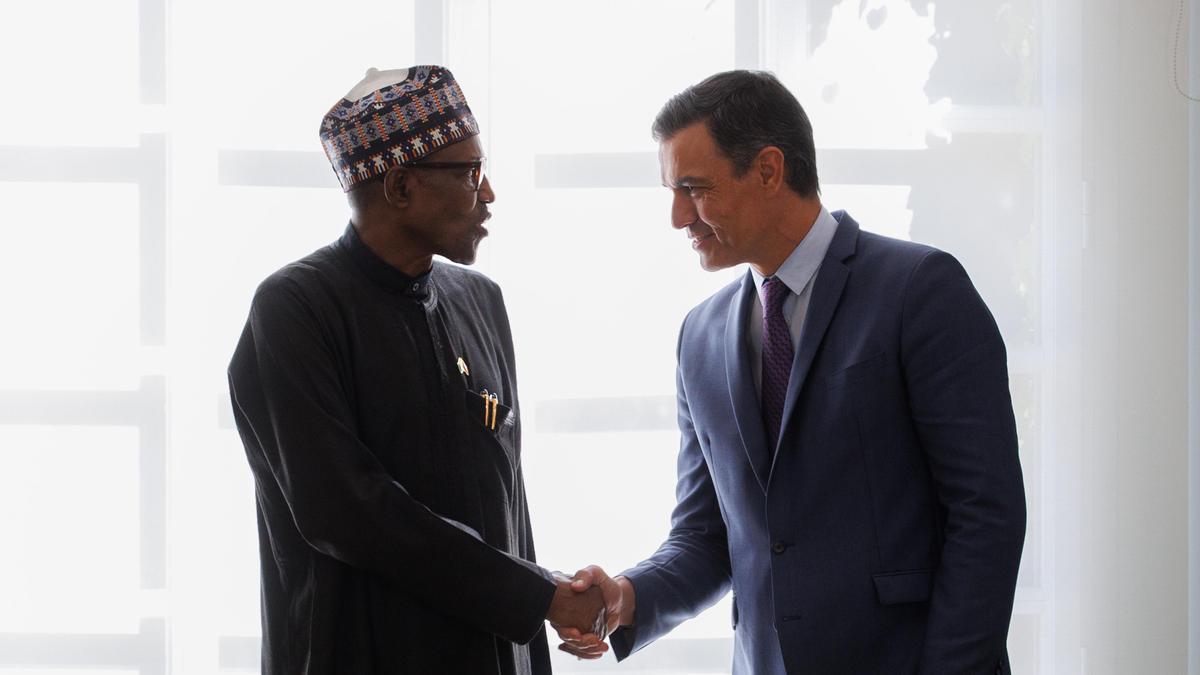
x=375 y=392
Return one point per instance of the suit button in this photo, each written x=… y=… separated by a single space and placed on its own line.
x=778 y=547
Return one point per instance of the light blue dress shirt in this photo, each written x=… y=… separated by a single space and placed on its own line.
x=798 y=273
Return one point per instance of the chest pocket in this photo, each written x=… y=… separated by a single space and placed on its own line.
x=493 y=435
x=496 y=422
x=491 y=415
x=869 y=369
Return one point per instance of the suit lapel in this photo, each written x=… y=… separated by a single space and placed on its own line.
x=826 y=293
x=741 y=382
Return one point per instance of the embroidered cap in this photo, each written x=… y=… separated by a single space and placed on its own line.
x=394 y=117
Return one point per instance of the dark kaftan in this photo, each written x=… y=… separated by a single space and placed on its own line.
x=393 y=526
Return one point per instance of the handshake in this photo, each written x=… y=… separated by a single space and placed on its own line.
x=588 y=607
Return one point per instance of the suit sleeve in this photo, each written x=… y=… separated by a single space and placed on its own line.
x=691 y=570
x=293 y=415
x=956 y=373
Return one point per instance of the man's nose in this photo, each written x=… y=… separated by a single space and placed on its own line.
x=485 y=191
x=683 y=211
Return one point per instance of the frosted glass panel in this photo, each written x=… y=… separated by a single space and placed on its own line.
x=634 y=56
x=70 y=268
x=70 y=531
x=70 y=73
x=281 y=65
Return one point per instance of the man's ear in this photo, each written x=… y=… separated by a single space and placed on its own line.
x=769 y=168
x=397 y=186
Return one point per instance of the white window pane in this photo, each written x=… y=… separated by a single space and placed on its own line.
x=70 y=73
x=72 y=318
x=979 y=197
x=988 y=52
x=250 y=233
x=63 y=671
x=864 y=84
x=625 y=59
x=574 y=527
x=263 y=74
x=614 y=255
x=70 y=499
x=882 y=209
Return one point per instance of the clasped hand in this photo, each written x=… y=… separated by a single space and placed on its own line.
x=586 y=609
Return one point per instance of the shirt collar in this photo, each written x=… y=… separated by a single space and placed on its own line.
x=379 y=271
x=801 y=266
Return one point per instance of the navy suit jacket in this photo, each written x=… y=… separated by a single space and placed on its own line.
x=886 y=532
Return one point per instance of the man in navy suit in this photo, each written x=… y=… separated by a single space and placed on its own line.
x=848 y=462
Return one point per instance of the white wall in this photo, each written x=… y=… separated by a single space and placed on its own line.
x=1194 y=344
x=1135 y=462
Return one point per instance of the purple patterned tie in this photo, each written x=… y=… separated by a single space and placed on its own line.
x=776 y=359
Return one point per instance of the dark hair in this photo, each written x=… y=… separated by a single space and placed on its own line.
x=746 y=111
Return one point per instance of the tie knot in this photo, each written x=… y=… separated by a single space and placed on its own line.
x=774 y=294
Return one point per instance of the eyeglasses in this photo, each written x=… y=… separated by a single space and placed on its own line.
x=477 y=167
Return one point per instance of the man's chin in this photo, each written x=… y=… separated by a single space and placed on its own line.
x=712 y=264
x=465 y=256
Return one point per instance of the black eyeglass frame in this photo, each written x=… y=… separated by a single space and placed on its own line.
x=478 y=168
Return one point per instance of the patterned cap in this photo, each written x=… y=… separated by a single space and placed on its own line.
x=394 y=117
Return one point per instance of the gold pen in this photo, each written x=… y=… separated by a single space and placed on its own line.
x=495 y=409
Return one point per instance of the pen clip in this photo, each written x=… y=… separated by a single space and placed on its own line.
x=491 y=409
